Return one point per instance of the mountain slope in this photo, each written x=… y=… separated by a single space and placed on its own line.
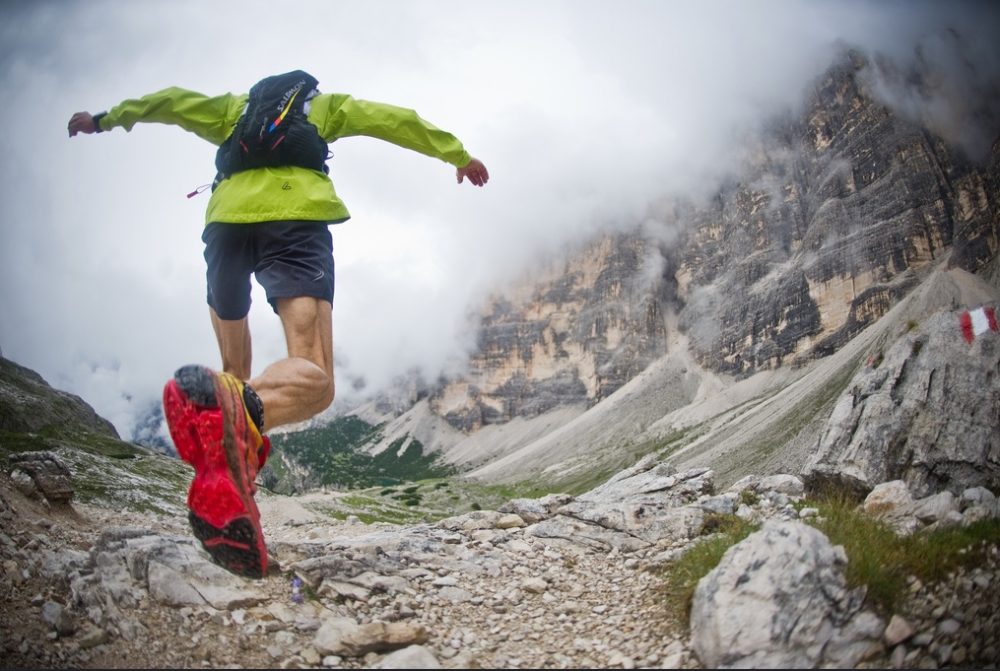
x=106 y=470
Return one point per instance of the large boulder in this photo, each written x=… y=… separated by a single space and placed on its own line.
x=927 y=412
x=779 y=600
x=42 y=472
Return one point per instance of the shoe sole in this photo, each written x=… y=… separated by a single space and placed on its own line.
x=212 y=436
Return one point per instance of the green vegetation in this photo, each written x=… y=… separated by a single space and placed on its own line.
x=418 y=502
x=723 y=532
x=52 y=438
x=334 y=456
x=749 y=497
x=105 y=471
x=399 y=485
x=108 y=471
x=881 y=560
x=878 y=558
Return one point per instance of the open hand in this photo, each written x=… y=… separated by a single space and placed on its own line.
x=475 y=171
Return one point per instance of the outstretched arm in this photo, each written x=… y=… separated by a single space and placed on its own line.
x=475 y=171
x=83 y=122
x=210 y=118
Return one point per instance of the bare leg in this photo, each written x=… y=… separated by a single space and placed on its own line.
x=301 y=386
x=234 y=344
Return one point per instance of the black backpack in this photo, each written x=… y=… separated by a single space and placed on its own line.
x=273 y=130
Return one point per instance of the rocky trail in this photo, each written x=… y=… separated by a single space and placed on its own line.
x=557 y=582
x=478 y=592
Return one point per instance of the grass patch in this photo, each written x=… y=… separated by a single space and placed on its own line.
x=749 y=497
x=881 y=560
x=106 y=471
x=681 y=578
x=878 y=559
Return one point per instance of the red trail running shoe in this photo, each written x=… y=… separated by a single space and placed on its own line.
x=213 y=431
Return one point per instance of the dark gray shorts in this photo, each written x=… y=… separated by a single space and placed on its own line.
x=289 y=259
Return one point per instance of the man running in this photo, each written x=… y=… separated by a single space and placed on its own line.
x=269 y=212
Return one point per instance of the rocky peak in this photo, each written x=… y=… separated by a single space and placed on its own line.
x=838 y=213
x=572 y=334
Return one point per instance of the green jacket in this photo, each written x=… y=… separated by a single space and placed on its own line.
x=271 y=194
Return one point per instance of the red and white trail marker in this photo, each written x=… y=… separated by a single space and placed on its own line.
x=977 y=322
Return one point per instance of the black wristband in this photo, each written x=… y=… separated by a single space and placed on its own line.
x=97 y=121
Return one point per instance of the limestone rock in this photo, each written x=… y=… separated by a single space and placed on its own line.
x=889 y=499
x=378 y=637
x=60 y=619
x=535 y=510
x=331 y=633
x=935 y=507
x=572 y=334
x=928 y=413
x=848 y=202
x=779 y=600
x=897 y=631
x=48 y=474
x=410 y=657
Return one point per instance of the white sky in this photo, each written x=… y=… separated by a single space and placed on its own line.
x=584 y=112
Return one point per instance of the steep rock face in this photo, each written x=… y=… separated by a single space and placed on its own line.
x=927 y=412
x=839 y=212
x=575 y=336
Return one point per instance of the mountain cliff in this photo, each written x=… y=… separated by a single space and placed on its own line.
x=836 y=216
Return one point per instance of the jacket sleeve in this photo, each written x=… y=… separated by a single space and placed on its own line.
x=340 y=115
x=210 y=118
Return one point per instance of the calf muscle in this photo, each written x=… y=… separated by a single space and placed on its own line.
x=302 y=385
